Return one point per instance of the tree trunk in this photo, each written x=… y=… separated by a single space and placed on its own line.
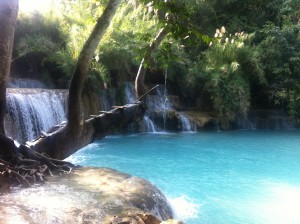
x=8 y=17
x=66 y=139
x=75 y=113
x=61 y=143
x=139 y=81
x=79 y=132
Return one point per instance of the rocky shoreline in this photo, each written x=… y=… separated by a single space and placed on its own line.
x=88 y=195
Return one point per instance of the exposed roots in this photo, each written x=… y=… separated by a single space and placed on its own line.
x=22 y=166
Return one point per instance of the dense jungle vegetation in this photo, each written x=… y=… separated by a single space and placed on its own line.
x=233 y=55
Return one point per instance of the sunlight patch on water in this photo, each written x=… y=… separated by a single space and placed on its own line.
x=184 y=208
x=283 y=206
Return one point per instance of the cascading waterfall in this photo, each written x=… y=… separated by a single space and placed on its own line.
x=30 y=111
x=129 y=92
x=185 y=123
x=156 y=103
x=165 y=99
x=150 y=124
x=161 y=102
x=131 y=98
x=108 y=99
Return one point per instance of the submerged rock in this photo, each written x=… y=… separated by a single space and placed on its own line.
x=88 y=195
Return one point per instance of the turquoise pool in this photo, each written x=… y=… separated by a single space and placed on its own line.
x=230 y=177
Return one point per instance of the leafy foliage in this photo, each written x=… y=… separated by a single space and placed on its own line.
x=226 y=71
x=280 y=47
x=236 y=71
x=38 y=39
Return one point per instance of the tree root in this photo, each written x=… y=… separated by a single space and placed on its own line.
x=25 y=167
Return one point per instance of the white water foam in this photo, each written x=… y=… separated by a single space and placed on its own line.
x=184 y=208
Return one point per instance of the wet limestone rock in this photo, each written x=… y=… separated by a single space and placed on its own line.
x=141 y=218
x=203 y=120
x=171 y=221
x=88 y=195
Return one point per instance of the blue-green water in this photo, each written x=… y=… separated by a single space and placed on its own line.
x=237 y=177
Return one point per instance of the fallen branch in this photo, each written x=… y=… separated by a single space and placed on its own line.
x=146 y=93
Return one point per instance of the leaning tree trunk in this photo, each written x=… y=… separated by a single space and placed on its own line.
x=139 y=81
x=75 y=112
x=61 y=143
x=8 y=17
x=27 y=164
x=78 y=132
x=64 y=140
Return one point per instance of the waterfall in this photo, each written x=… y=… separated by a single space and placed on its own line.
x=108 y=99
x=161 y=105
x=185 y=123
x=30 y=111
x=129 y=92
x=265 y=119
x=150 y=124
x=165 y=99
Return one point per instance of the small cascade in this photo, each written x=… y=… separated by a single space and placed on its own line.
x=108 y=99
x=161 y=107
x=160 y=101
x=185 y=123
x=30 y=111
x=149 y=123
x=129 y=91
x=165 y=99
x=265 y=119
x=244 y=122
x=146 y=125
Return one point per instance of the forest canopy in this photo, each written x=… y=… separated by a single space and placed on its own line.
x=237 y=55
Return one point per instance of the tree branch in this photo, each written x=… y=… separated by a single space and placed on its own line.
x=140 y=77
x=74 y=107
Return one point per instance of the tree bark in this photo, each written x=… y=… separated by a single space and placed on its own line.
x=139 y=81
x=66 y=139
x=8 y=18
x=61 y=143
x=78 y=132
x=75 y=115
